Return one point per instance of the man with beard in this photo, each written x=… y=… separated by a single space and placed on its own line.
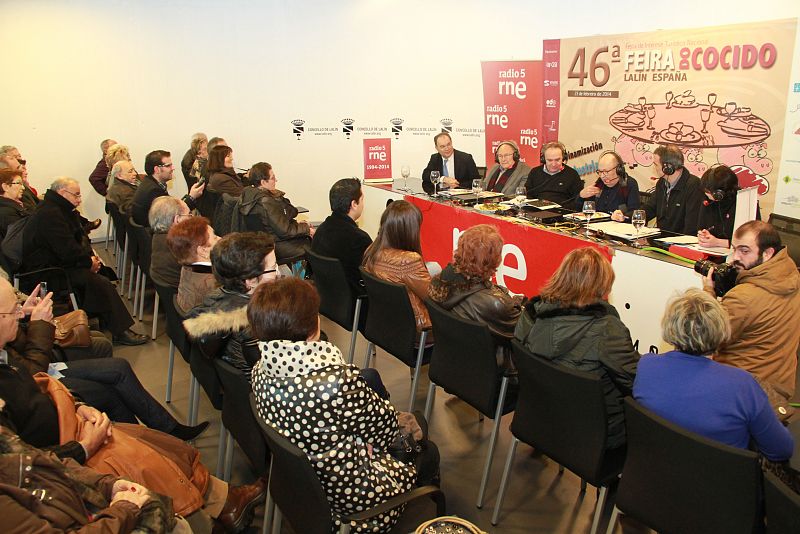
x=763 y=307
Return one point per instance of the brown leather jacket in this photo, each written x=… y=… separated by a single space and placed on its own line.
x=407 y=268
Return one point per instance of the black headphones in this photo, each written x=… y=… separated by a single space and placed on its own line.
x=669 y=168
x=513 y=145
x=554 y=144
x=620 y=165
x=718 y=195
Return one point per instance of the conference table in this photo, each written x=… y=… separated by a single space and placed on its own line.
x=644 y=281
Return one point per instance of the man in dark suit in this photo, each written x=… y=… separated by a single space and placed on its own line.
x=158 y=166
x=457 y=168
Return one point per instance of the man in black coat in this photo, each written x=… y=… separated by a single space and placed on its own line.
x=678 y=197
x=158 y=166
x=340 y=237
x=456 y=168
x=54 y=237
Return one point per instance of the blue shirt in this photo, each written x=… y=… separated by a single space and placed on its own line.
x=714 y=400
x=610 y=198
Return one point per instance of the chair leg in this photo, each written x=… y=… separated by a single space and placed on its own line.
x=613 y=521
x=420 y=353
x=504 y=481
x=229 y=448
x=123 y=269
x=429 y=401
x=277 y=522
x=133 y=274
x=498 y=414
x=354 y=334
x=169 y=371
x=141 y=296
x=269 y=504
x=195 y=402
x=73 y=300
x=223 y=434
x=108 y=230
x=155 y=316
x=369 y=352
x=598 y=510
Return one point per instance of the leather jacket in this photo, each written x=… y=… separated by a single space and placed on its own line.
x=407 y=268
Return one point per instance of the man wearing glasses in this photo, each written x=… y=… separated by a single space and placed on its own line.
x=158 y=166
x=509 y=172
x=53 y=237
x=613 y=192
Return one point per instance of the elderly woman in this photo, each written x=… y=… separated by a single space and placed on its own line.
x=396 y=256
x=720 y=186
x=198 y=167
x=266 y=209
x=124 y=182
x=305 y=390
x=115 y=153
x=222 y=177
x=190 y=242
x=165 y=270
x=686 y=386
x=465 y=286
x=11 y=208
x=190 y=157
x=241 y=262
x=571 y=323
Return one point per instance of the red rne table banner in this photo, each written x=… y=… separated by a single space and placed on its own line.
x=512 y=100
x=378 y=160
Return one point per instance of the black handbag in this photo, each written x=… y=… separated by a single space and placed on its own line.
x=404 y=448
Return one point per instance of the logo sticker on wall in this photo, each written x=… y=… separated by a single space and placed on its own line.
x=297 y=127
x=348 y=127
x=397 y=127
x=447 y=125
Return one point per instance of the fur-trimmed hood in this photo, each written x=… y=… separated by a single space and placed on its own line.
x=216 y=322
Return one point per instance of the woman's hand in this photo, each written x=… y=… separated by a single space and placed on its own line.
x=618 y=216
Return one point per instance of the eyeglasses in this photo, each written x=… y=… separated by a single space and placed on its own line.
x=17 y=183
x=604 y=173
x=269 y=271
x=505 y=156
x=76 y=195
x=17 y=311
x=166 y=165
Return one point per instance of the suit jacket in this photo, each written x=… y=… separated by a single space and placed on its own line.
x=340 y=237
x=680 y=210
x=149 y=190
x=518 y=177
x=463 y=165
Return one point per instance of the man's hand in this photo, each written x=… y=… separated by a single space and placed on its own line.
x=449 y=181
x=589 y=191
x=96 y=264
x=618 y=216
x=135 y=497
x=31 y=301
x=95 y=435
x=311 y=230
x=197 y=190
x=708 y=280
x=90 y=413
x=43 y=311
x=127 y=485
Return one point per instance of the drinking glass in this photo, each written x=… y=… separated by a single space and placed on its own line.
x=588 y=210
x=405 y=172
x=638 y=218
x=435 y=181
x=521 y=192
x=477 y=187
x=705 y=115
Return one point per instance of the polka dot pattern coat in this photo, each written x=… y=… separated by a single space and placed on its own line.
x=307 y=392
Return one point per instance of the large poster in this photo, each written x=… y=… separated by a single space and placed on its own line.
x=512 y=96
x=719 y=93
x=787 y=196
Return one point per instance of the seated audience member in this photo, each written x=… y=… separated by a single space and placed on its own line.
x=572 y=324
x=105 y=383
x=222 y=176
x=10 y=158
x=614 y=192
x=191 y=241
x=456 y=168
x=99 y=177
x=508 y=173
x=763 y=308
x=124 y=182
x=678 y=196
x=165 y=270
x=241 y=262
x=553 y=180
x=116 y=153
x=396 y=256
x=465 y=286
x=119 y=506
x=305 y=390
x=158 y=166
x=339 y=236
x=266 y=209
x=54 y=238
x=11 y=208
x=687 y=387
x=199 y=139
x=720 y=186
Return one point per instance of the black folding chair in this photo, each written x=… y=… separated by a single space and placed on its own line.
x=782 y=506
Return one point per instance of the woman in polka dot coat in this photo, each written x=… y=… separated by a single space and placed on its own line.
x=306 y=391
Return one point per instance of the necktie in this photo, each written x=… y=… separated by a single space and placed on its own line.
x=444 y=167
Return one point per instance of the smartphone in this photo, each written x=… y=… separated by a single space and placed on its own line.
x=42 y=289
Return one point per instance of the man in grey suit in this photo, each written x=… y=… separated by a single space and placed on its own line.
x=508 y=173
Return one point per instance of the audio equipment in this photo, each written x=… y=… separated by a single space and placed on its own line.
x=554 y=144
x=513 y=145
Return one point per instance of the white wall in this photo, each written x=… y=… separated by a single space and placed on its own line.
x=150 y=73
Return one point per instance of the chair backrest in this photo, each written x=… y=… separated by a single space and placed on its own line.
x=144 y=244
x=463 y=360
x=294 y=484
x=390 y=323
x=561 y=412
x=782 y=506
x=175 y=330
x=337 y=301
x=789 y=230
x=678 y=481
x=202 y=366
x=238 y=418
x=208 y=203
x=120 y=222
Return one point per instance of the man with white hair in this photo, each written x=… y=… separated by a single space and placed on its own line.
x=165 y=211
x=124 y=181
x=53 y=237
x=100 y=173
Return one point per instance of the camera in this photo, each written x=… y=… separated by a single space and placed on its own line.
x=724 y=275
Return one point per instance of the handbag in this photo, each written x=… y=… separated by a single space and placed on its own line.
x=72 y=329
x=404 y=448
x=449 y=525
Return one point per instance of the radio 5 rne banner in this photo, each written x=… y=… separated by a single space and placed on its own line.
x=378 y=160
x=719 y=93
x=512 y=95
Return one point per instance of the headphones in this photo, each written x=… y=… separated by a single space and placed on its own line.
x=513 y=145
x=718 y=195
x=620 y=168
x=668 y=168
x=554 y=144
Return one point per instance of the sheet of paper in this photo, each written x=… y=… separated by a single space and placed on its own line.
x=623 y=230
x=680 y=240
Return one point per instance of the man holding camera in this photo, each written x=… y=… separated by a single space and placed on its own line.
x=763 y=307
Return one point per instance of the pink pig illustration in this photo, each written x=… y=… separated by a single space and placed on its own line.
x=693 y=161
x=632 y=151
x=750 y=163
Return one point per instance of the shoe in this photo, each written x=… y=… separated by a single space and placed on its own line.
x=129 y=337
x=188 y=433
x=237 y=514
x=92 y=225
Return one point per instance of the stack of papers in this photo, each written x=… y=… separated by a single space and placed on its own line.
x=623 y=230
x=692 y=242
